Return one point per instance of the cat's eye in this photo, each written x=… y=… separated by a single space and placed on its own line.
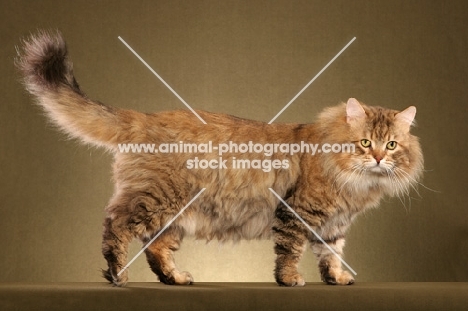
x=365 y=143
x=391 y=145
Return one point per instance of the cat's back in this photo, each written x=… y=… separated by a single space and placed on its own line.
x=218 y=127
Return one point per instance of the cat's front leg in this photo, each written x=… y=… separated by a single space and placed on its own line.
x=290 y=243
x=329 y=264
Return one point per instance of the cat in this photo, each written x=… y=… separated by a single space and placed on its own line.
x=327 y=190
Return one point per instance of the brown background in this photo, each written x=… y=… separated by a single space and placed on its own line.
x=246 y=58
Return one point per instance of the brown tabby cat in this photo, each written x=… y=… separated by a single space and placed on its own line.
x=327 y=190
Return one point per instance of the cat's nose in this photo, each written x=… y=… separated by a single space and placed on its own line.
x=378 y=159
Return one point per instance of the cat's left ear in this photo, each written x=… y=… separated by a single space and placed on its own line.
x=406 y=117
x=354 y=111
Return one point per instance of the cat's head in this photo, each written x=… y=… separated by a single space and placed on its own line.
x=386 y=155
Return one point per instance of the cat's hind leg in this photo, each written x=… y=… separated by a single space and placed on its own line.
x=160 y=256
x=116 y=238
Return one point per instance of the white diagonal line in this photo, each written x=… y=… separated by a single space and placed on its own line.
x=313 y=231
x=162 y=80
x=313 y=79
x=161 y=231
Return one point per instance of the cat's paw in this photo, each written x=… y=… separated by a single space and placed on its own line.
x=116 y=280
x=177 y=278
x=291 y=280
x=343 y=278
x=120 y=281
x=183 y=278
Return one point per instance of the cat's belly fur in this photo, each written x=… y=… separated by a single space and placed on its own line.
x=249 y=222
x=230 y=223
x=255 y=225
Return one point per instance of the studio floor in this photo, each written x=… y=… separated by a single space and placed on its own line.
x=234 y=296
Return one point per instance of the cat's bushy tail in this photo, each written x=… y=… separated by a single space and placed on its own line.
x=48 y=75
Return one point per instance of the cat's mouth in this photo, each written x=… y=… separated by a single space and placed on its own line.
x=377 y=169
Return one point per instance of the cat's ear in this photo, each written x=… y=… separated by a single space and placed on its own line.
x=354 y=111
x=406 y=118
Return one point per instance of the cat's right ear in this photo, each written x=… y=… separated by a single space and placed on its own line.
x=354 y=111
x=406 y=118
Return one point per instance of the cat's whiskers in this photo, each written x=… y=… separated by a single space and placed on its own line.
x=415 y=181
x=400 y=189
x=411 y=180
x=343 y=172
x=358 y=168
x=362 y=171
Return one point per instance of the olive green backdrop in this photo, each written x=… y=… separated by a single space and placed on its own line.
x=246 y=58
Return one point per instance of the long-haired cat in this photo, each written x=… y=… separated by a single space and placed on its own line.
x=327 y=190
